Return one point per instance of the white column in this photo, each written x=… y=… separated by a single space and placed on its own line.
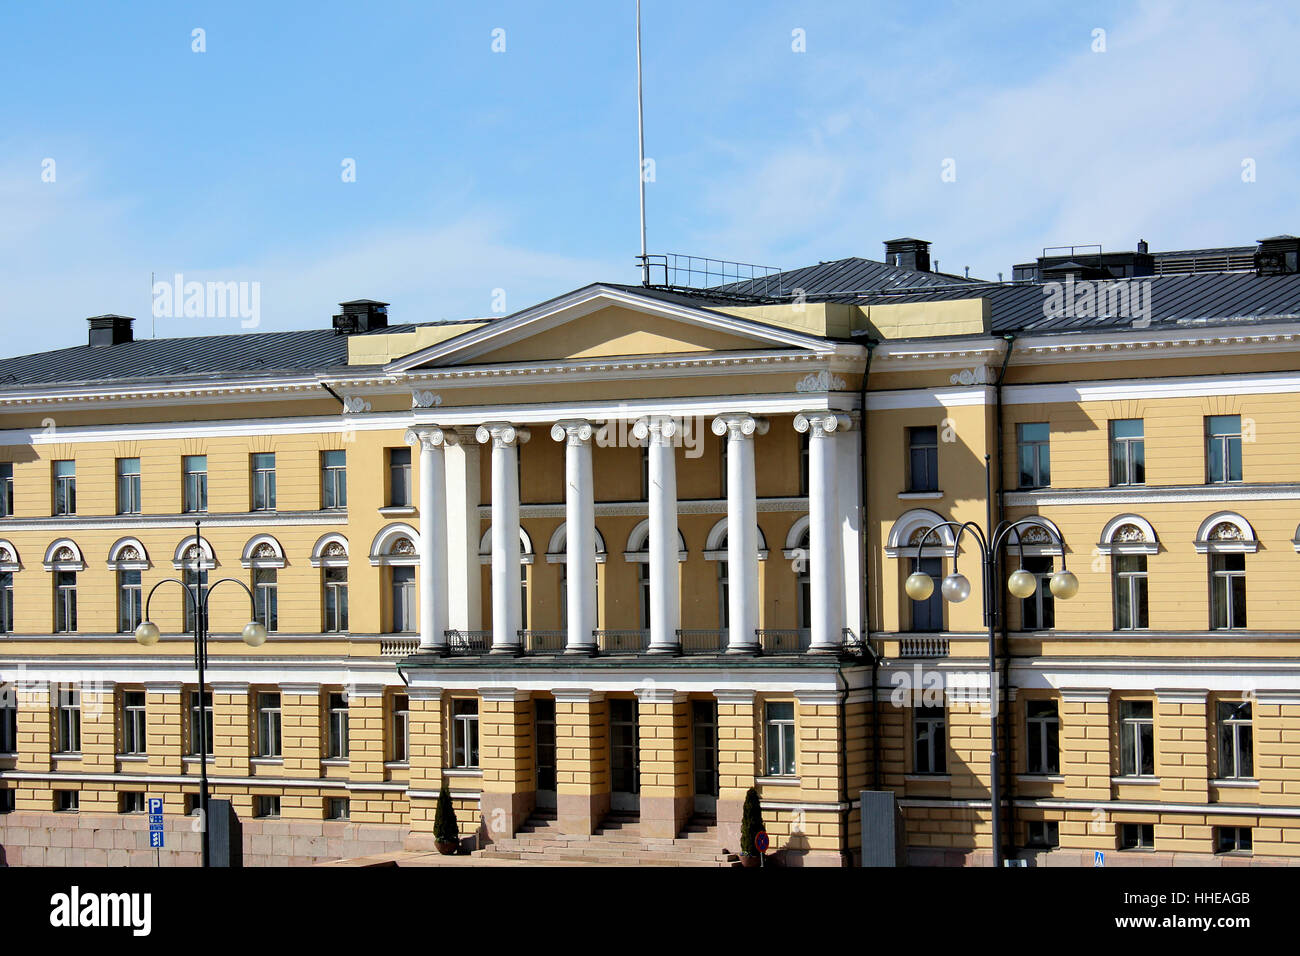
x=507 y=610
x=580 y=533
x=433 y=534
x=825 y=554
x=742 y=529
x=464 y=530
x=850 y=460
x=665 y=599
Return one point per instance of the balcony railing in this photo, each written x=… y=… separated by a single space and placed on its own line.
x=783 y=640
x=543 y=642
x=923 y=647
x=398 y=646
x=467 y=643
x=699 y=641
x=621 y=641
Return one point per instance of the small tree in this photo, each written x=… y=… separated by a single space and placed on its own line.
x=445 y=829
x=751 y=822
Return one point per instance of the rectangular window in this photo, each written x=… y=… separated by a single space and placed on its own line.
x=336 y=599
x=643 y=594
x=129 y=601
x=927 y=615
x=267 y=807
x=69 y=721
x=1042 y=737
x=192 y=579
x=134 y=739
x=65 y=601
x=8 y=719
x=1130 y=587
x=1227 y=591
x=266 y=598
x=337 y=808
x=464 y=733
x=6 y=800
x=334 y=480
x=1038 y=611
x=399 y=477
x=65 y=487
x=133 y=802
x=722 y=460
x=128 y=486
x=263 y=465
x=1128 y=464
x=804 y=451
x=1137 y=836
x=268 y=725
x=6 y=602
x=6 y=489
x=1034 y=454
x=1137 y=731
x=194 y=483
x=401 y=728
x=923 y=458
x=1222 y=448
x=1044 y=834
x=645 y=470
x=1233 y=839
x=67 y=801
x=338 y=727
x=1236 y=740
x=403 y=599
x=196 y=715
x=930 y=743
x=779 y=722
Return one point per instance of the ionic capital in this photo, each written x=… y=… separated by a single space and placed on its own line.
x=822 y=424
x=502 y=434
x=431 y=437
x=739 y=425
x=659 y=429
x=577 y=431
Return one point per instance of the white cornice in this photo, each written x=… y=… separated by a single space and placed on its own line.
x=71 y=524
x=1151 y=494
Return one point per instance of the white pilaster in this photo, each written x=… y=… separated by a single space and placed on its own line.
x=580 y=532
x=665 y=598
x=825 y=545
x=433 y=534
x=742 y=529
x=507 y=610
x=464 y=529
x=850 y=460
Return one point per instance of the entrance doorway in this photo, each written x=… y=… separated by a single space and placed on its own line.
x=544 y=729
x=624 y=756
x=704 y=751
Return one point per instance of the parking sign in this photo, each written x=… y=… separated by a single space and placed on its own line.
x=155 y=805
x=156 y=839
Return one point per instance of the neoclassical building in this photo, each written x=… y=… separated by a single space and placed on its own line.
x=604 y=564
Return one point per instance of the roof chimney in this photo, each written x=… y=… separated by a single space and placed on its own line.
x=911 y=254
x=361 y=315
x=110 y=329
x=1143 y=248
x=1278 y=255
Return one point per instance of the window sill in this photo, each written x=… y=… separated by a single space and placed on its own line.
x=462 y=772
x=397 y=765
x=1040 y=778
x=1137 y=781
x=194 y=759
x=920 y=495
x=335 y=762
x=927 y=777
x=1245 y=783
x=266 y=761
x=781 y=781
x=397 y=511
x=132 y=758
x=67 y=755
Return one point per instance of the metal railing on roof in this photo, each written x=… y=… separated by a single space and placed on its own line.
x=721 y=278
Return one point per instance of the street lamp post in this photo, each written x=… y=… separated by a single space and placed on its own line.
x=1021 y=583
x=148 y=634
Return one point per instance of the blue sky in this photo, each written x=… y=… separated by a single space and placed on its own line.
x=478 y=171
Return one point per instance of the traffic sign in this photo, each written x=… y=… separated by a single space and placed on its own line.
x=155 y=805
x=1098 y=858
x=156 y=839
x=761 y=841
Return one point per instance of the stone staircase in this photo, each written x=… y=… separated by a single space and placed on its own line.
x=618 y=842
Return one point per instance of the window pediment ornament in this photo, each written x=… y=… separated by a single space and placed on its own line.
x=1226 y=533
x=396 y=544
x=330 y=551
x=63 y=555
x=263 y=551
x=908 y=530
x=1128 y=534
x=9 y=557
x=402 y=545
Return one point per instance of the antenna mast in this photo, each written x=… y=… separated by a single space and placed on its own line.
x=640 y=142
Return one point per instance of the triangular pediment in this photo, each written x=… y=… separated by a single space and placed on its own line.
x=601 y=322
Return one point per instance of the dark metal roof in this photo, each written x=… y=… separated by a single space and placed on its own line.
x=857 y=275
x=1176 y=300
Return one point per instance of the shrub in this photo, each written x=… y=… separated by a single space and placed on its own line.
x=445 y=829
x=751 y=822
